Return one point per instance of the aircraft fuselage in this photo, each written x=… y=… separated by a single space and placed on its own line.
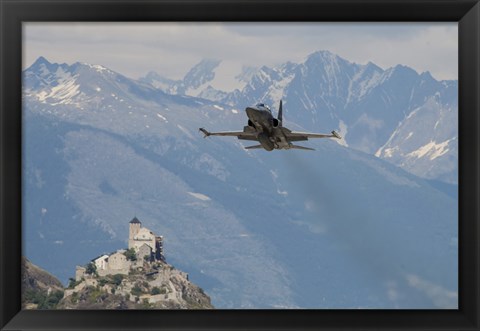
x=262 y=119
x=266 y=126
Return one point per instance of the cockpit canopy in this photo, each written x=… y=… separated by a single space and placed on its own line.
x=262 y=106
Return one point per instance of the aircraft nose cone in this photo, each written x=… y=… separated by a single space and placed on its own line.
x=250 y=112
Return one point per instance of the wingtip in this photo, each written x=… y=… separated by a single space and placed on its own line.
x=336 y=135
x=205 y=132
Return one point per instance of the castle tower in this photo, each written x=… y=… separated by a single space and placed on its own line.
x=135 y=226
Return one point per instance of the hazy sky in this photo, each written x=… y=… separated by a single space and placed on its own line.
x=171 y=49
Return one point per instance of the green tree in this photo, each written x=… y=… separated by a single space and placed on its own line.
x=130 y=254
x=146 y=304
x=136 y=291
x=102 y=282
x=51 y=301
x=117 y=279
x=72 y=282
x=91 y=269
x=155 y=291
x=74 y=297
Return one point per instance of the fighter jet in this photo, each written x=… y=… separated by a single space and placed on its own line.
x=269 y=131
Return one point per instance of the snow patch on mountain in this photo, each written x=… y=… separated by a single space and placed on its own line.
x=99 y=68
x=432 y=150
x=63 y=93
x=162 y=117
x=426 y=141
x=199 y=196
x=277 y=90
x=363 y=81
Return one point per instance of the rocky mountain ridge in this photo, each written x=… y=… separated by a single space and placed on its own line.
x=40 y=289
x=156 y=285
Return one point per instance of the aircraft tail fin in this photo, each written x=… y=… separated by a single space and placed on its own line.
x=280 y=112
x=301 y=147
x=254 y=147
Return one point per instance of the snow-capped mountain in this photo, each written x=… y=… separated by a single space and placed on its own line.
x=200 y=75
x=335 y=228
x=246 y=74
x=164 y=84
x=195 y=81
x=365 y=103
x=425 y=143
x=200 y=81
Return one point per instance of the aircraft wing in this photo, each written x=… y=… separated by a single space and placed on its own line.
x=239 y=134
x=299 y=136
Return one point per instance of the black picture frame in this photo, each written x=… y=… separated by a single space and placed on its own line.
x=14 y=12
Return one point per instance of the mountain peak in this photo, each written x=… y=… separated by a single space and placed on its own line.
x=427 y=75
x=152 y=74
x=325 y=58
x=41 y=60
x=39 y=63
x=200 y=74
x=206 y=65
x=323 y=55
x=404 y=68
x=400 y=72
x=372 y=66
x=210 y=62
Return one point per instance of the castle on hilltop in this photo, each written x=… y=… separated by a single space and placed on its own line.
x=143 y=246
x=144 y=241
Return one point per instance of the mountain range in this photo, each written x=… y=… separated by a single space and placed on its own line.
x=335 y=228
x=377 y=111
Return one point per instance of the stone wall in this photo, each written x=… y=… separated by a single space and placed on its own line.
x=79 y=273
x=118 y=261
x=103 y=273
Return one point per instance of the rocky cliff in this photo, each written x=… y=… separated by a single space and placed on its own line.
x=156 y=286
x=39 y=288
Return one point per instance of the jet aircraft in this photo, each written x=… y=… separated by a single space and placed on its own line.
x=269 y=131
